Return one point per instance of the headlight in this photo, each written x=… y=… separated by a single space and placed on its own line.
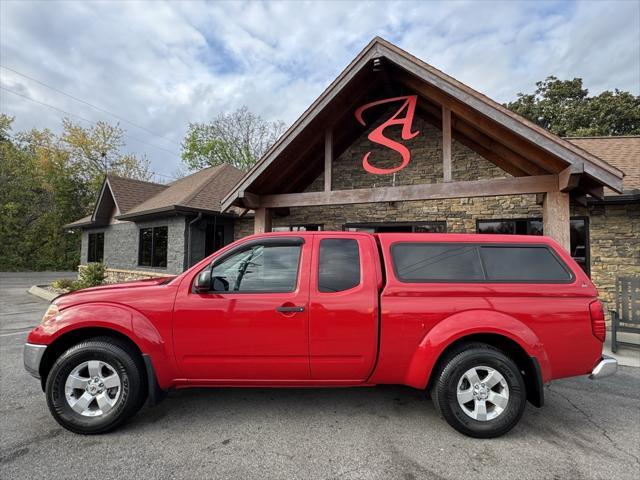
x=51 y=313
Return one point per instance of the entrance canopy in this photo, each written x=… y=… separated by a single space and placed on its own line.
x=538 y=161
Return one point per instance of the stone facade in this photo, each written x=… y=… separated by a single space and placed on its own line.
x=121 y=241
x=614 y=229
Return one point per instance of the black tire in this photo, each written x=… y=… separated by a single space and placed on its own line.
x=132 y=391
x=445 y=385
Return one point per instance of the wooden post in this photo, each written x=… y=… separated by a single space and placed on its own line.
x=262 y=220
x=555 y=217
x=328 y=159
x=446 y=144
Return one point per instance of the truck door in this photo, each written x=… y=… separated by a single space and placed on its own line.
x=343 y=307
x=252 y=325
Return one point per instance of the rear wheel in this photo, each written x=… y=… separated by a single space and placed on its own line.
x=480 y=391
x=95 y=386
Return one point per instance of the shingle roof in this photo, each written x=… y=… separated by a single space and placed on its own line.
x=621 y=152
x=202 y=190
x=83 y=222
x=129 y=192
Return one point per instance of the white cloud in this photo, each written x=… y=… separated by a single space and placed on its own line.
x=162 y=65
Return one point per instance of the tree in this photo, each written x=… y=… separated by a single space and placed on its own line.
x=97 y=150
x=239 y=138
x=47 y=181
x=565 y=108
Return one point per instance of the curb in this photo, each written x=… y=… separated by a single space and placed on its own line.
x=44 y=294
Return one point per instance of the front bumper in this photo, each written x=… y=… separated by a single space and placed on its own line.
x=32 y=356
x=605 y=367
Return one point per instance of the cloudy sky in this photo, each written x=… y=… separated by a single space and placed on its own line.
x=160 y=65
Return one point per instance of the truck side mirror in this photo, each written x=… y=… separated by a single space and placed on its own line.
x=219 y=284
x=203 y=282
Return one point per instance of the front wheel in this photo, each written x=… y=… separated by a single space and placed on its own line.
x=95 y=386
x=480 y=392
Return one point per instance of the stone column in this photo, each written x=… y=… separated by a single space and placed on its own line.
x=555 y=217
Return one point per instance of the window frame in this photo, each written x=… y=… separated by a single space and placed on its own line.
x=153 y=247
x=265 y=242
x=89 y=252
x=478 y=245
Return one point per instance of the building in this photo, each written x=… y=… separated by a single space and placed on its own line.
x=395 y=145
x=141 y=229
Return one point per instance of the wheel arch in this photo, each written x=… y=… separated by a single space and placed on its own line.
x=492 y=327
x=73 y=337
x=527 y=364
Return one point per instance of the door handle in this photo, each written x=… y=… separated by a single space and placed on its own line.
x=290 y=309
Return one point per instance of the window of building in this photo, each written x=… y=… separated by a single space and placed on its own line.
x=417 y=227
x=260 y=268
x=310 y=227
x=533 y=226
x=95 y=251
x=433 y=262
x=213 y=238
x=522 y=264
x=338 y=265
x=152 y=250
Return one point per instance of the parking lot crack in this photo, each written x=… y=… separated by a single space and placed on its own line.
x=595 y=424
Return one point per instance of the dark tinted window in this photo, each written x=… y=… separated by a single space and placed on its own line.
x=338 y=265
x=261 y=268
x=424 y=262
x=95 y=251
x=522 y=264
x=152 y=249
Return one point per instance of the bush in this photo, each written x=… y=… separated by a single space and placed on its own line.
x=91 y=276
x=63 y=284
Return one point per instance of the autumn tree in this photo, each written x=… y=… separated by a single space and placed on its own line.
x=97 y=151
x=565 y=108
x=49 y=180
x=239 y=138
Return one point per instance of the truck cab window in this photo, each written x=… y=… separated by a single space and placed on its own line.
x=261 y=268
x=338 y=265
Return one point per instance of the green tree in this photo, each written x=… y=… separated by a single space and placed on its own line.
x=565 y=108
x=239 y=138
x=47 y=181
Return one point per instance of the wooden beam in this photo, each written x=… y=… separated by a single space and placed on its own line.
x=433 y=191
x=249 y=200
x=555 y=218
x=328 y=158
x=459 y=127
x=262 y=220
x=446 y=144
x=479 y=149
x=569 y=178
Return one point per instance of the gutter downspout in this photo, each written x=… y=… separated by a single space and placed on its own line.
x=197 y=219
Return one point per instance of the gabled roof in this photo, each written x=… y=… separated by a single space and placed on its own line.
x=297 y=156
x=129 y=192
x=200 y=191
x=621 y=152
x=118 y=195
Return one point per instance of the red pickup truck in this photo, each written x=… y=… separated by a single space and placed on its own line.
x=480 y=322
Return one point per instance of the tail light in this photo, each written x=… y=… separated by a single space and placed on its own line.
x=597 y=320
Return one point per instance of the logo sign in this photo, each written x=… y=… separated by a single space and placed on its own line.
x=408 y=108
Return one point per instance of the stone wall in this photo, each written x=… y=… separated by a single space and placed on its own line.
x=614 y=237
x=121 y=241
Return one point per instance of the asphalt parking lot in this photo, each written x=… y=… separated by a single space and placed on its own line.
x=586 y=430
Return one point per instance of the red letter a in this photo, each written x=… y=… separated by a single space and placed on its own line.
x=377 y=134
